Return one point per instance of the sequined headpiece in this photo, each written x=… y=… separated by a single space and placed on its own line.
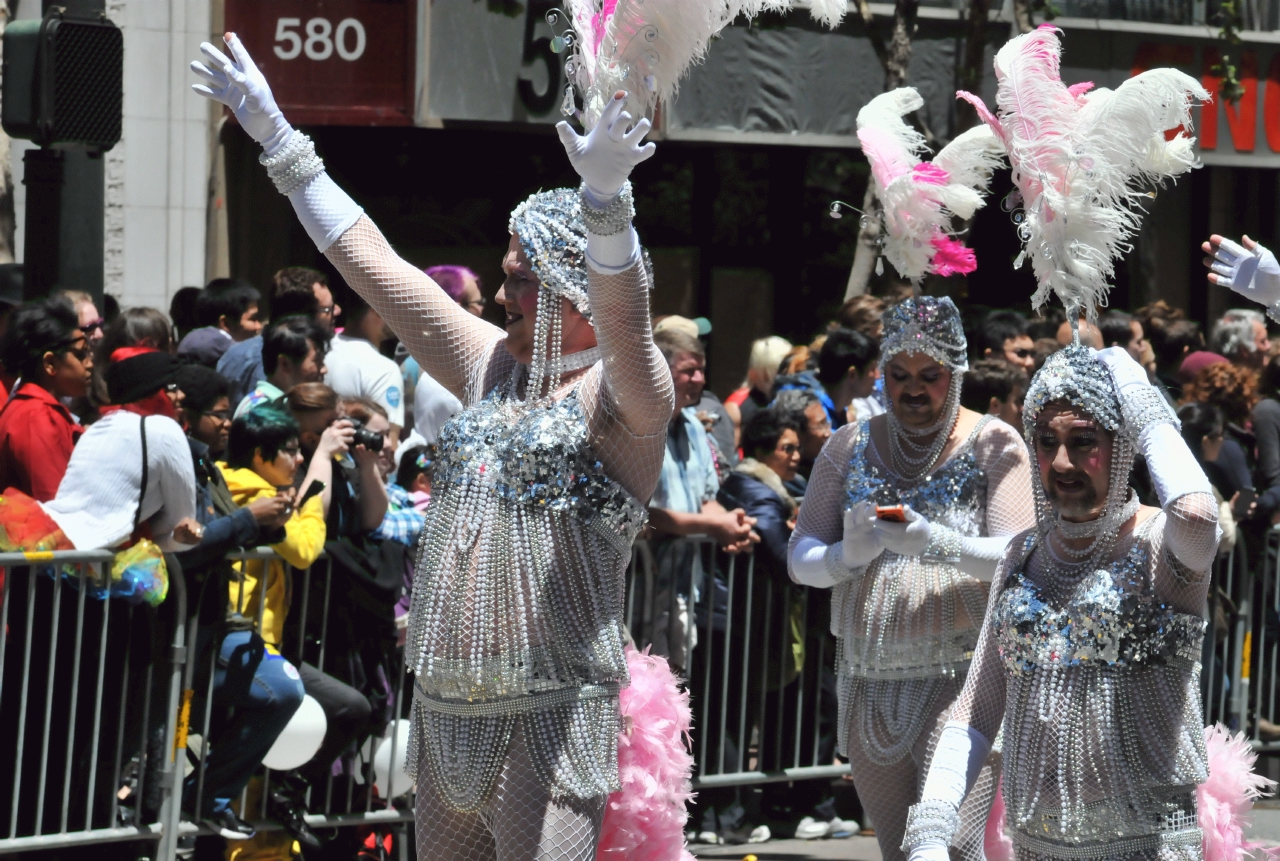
x=554 y=238
x=929 y=325
x=1073 y=374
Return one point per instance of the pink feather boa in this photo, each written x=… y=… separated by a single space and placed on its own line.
x=1223 y=802
x=644 y=821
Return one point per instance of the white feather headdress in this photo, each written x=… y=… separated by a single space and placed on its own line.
x=920 y=198
x=646 y=46
x=1082 y=162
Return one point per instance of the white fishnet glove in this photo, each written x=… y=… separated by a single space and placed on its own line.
x=242 y=87
x=1253 y=274
x=860 y=544
x=1141 y=403
x=605 y=156
x=905 y=539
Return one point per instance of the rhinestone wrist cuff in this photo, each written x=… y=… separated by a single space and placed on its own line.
x=833 y=559
x=294 y=165
x=944 y=543
x=1144 y=405
x=614 y=218
x=929 y=821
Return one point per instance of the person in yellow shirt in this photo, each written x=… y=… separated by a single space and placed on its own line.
x=263 y=456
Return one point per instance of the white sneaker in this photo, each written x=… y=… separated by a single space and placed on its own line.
x=841 y=828
x=810 y=829
x=760 y=834
x=708 y=837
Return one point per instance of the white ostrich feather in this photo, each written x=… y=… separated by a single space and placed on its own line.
x=646 y=46
x=1083 y=162
x=919 y=200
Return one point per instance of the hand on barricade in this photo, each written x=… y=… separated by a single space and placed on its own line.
x=241 y=86
x=605 y=156
x=272 y=512
x=188 y=531
x=732 y=530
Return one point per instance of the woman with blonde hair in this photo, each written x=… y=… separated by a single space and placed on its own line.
x=756 y=393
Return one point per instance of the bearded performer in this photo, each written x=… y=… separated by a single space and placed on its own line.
x=516 y=623
x=1089 y=656
x=909 y=596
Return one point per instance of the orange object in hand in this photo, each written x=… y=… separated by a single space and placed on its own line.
x=894 y=513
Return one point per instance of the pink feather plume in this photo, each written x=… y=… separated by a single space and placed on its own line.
x=996 y=844
x=1225 y=799
x=952 y=257
x=645 y=820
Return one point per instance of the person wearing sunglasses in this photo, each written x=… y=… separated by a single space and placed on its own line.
x=47 y=347
x=91 y=322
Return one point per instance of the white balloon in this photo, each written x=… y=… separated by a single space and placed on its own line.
x=385 y=779
x=300 y=739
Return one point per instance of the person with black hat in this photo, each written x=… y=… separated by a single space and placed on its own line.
x=131 y=472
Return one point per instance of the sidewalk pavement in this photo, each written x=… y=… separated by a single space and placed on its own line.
x=1265 y=829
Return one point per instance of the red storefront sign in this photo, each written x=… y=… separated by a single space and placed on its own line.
x=333 y=62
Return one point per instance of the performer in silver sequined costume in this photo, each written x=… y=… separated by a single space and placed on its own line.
x=1089 y=657
x=515 y=632
x=909 y=597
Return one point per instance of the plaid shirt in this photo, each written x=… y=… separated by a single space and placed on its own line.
x=402 y=522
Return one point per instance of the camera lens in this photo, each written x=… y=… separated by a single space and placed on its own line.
x=365 y=437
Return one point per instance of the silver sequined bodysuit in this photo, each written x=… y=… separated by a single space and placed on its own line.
x=910 y=623
x=517 y=605
x=1103 y=736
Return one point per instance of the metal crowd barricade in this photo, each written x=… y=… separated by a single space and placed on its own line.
x=88 y=704
x=760 y=660
x=1225 y=664
x=1260 y=651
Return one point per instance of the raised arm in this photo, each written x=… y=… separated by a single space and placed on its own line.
x=1190 y=532
x=449 y=343
x=629 y=401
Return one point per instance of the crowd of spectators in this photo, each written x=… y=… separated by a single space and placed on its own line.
x=281 y=419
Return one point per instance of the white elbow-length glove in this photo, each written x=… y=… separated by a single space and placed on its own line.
x=1174 y=469
x=906 y=539
x=604 y=157
x=325 y=210
x=823 y=566
x=1254 y=274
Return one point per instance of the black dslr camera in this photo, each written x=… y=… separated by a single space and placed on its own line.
x=365 y=437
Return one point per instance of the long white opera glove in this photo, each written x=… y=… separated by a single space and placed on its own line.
x=604 y=157
x=822 y=566
x=1174 y=469
x=1253 y=274
x=325 y=210
x=242 y=87
x=933 y=822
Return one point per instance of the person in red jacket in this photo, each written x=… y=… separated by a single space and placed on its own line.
x=46 y=346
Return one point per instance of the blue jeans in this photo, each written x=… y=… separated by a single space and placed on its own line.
x=261 y=691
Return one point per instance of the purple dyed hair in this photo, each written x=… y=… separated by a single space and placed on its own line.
x=452 y=279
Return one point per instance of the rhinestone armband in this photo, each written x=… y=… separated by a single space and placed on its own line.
x=944 y=543
x=294 y=165
x=833 y=561
x=614 y=218
x=1144 y=405
x=930 y=821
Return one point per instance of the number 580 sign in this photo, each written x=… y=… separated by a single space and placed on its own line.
x=334 y=62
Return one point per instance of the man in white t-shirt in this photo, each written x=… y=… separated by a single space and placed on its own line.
x=357 y=369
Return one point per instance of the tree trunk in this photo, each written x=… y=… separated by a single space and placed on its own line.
x=895 y=57
x=974 y=63
x=7 y=221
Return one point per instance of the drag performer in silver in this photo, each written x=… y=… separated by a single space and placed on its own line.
x=515 y=633
x=1089 y=656
x=909 y=597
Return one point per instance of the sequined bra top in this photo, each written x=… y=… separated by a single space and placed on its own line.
x=519 y=581
x=1112 y=618
x=1103 y=733
x=910 y=617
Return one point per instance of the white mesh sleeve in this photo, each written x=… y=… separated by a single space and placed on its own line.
x=1002 y=455
x=821 y=516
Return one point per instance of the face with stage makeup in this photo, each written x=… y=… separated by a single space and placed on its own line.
x=917 y=386
x=1073 y=454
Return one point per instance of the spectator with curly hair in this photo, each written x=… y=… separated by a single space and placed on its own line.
x=1233 y=390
